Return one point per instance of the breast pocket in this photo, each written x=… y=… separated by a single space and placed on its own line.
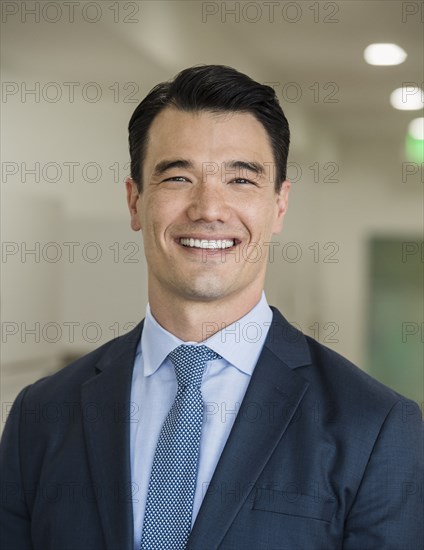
x=294 y=504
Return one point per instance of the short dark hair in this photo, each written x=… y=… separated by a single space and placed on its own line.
x=214 y=88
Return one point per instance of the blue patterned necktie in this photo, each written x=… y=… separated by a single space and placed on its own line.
x=169 y=505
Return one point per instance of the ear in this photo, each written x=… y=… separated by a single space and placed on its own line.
x=282 y=199
x=133 y=197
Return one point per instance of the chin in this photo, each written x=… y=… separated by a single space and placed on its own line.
x=206 y=290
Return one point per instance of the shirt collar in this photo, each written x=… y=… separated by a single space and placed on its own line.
x=240 y=343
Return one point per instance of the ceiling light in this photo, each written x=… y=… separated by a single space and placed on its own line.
x=408 y=98
x=416 y=128
x=384 y=54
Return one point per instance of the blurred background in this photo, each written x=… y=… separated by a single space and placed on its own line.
x=348 y=266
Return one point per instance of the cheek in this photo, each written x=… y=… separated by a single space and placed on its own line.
x=259 y=218
x=155 y=219
x=162 y=206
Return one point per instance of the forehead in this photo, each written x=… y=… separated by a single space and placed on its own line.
x=207 y=134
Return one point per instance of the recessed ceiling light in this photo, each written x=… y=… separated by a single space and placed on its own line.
x=408 y=98
x=384 y=54
x=416 y=128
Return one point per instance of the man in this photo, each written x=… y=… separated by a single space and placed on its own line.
x=191 y=431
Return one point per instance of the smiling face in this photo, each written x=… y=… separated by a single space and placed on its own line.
x=208 y=206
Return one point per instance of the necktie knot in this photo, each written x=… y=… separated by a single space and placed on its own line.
x=189 y=363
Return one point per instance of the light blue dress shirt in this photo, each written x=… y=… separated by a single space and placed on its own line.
x=224 y=384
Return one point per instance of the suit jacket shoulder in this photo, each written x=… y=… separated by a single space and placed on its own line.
x=330 y=374
x=68 y=380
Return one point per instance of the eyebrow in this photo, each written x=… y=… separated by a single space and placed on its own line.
x=251 y=166
x=166 y=164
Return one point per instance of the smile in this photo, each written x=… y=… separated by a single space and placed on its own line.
x=210 y=244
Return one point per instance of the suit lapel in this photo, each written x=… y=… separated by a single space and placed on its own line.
x=105 y=401
x=271 y=400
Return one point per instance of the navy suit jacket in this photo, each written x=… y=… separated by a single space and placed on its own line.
x=321 y=457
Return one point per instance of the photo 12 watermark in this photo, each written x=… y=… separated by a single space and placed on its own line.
x=288 y=252
x=411 y=330
x=69 y=252
x=411 y=250
x=412 y=12
x=69 y=92
x=323 y=331
x=70 y=11
x=270 y=12
x=64 y=332
x=318 y=92
x=412 y=172
x=60 y=172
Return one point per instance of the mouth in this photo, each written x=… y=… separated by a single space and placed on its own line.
x=211 y=247
x=208 y=244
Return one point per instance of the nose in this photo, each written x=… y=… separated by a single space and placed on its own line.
x=208 y=202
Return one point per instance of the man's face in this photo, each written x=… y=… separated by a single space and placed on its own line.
x=208 y=206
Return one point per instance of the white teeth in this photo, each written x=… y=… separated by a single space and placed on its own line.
x=197 y=243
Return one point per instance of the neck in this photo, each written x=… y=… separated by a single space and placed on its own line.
x=194 y=320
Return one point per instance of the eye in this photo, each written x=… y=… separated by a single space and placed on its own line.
x=243 y=181
x=177 y=178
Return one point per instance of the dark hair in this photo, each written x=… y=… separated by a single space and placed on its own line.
x=214 y=88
